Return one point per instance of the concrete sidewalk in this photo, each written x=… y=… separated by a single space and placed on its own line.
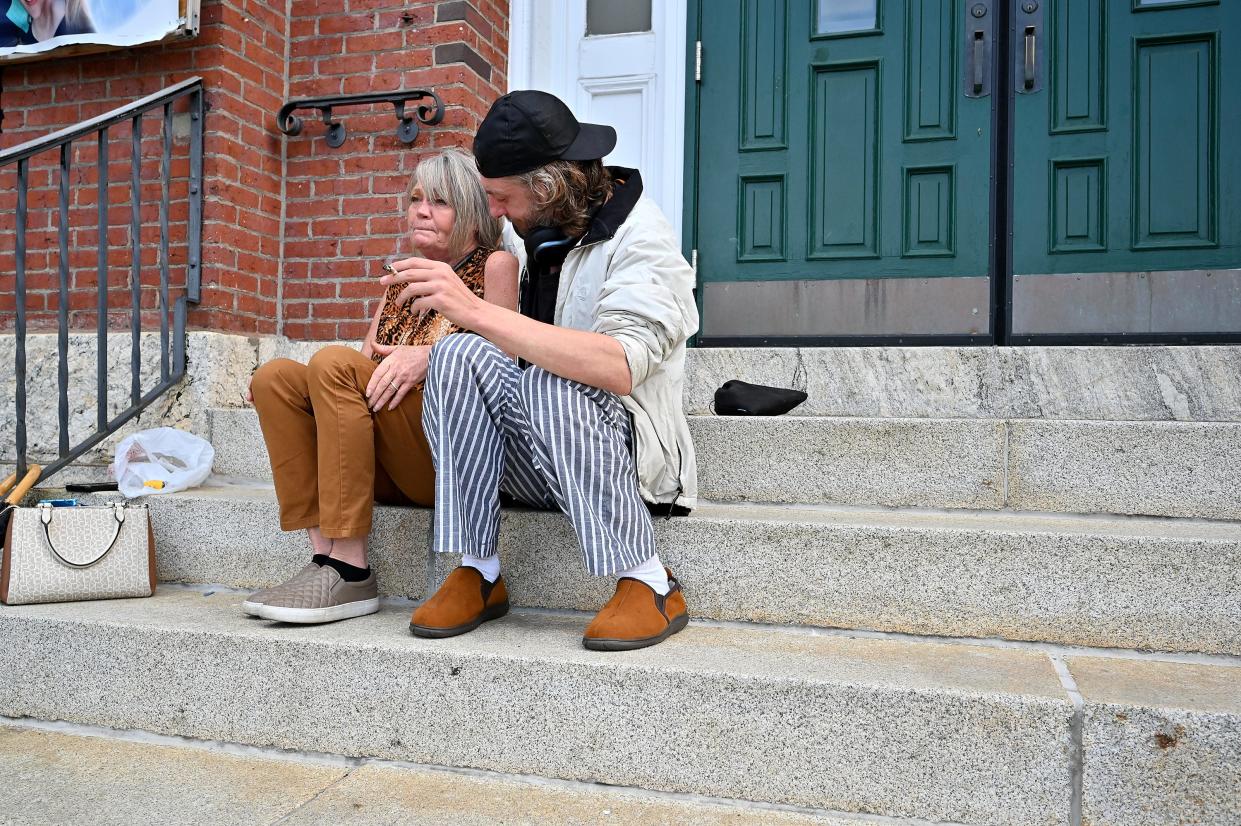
x=54 y=777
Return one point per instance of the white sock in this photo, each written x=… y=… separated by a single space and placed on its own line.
x=651 y=572
x=488 y=566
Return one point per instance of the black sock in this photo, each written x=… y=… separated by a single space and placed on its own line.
x=349 y=573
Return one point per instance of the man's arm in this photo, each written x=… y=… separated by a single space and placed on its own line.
x=590 y=358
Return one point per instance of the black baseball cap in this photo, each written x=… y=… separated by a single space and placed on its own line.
x=526 y=129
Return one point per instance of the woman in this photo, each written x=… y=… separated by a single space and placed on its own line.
x=25 y=22
x=345 y=430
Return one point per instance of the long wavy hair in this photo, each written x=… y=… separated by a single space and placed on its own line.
x=565 y=193
x=77 y=13
x=452 y=176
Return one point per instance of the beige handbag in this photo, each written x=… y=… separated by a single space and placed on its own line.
x=65 y=554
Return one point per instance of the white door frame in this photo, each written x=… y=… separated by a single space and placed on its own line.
x=544 y=38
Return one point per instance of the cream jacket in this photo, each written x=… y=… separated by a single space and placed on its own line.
x=637 y=287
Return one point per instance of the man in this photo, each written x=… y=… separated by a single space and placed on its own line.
x=588 y=417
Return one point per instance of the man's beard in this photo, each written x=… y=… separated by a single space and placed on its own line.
x=540 y=218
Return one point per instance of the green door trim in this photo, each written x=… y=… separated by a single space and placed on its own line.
x=689 y=216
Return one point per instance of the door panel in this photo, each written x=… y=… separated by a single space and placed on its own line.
x=930 y=102
x=1125 y=217
x=843 y=178
x=844 y=160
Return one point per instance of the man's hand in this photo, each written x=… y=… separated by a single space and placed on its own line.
x=432 y=285
x=402 y=369
x=591 y=358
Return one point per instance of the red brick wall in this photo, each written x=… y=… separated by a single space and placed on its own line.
x=338 y=210
x=42 y=257
x=240 y=53
x=344 y=206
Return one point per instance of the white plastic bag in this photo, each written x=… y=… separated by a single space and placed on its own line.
x=171 y=459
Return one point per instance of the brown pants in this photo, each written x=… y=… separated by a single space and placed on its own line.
x=331 y=457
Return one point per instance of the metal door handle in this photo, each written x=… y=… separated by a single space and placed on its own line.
x=1031 y=49
x=976 y=49
x=979 y=58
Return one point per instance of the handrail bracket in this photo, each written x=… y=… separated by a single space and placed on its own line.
x=408 y=127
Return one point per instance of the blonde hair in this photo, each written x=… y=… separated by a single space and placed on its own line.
x=566 y=192
x=451 y=175
x=77 y=12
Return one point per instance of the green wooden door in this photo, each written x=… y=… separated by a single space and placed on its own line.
x=1127 y=174
x=849 y=185
x=843 y=174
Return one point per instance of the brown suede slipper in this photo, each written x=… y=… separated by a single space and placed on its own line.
x=637 y=617
x=465 y=601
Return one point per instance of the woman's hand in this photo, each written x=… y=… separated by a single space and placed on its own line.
x=402 y=369
x=432 y=285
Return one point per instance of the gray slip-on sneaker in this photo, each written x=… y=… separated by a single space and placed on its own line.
x=322 y=597
x=254 y=602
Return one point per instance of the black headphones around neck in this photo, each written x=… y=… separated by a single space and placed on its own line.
x=547 y=245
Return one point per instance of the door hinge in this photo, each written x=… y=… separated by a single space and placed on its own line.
x=698 y=61
x=693 y=260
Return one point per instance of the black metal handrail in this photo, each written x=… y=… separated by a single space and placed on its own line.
x=406 y=131
x=172 y=342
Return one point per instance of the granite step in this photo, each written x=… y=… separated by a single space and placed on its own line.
x=1138 y=383
x=942 y=731
x=1119 y=582
x=55 y=772
x=1141 y=383
x=1176 y=469
x=1134 y=383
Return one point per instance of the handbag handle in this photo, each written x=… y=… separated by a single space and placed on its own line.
x=45 y=516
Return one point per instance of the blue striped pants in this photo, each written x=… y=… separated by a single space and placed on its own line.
x=546 y=441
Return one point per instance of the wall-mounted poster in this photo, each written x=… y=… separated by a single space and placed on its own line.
x=38 y=29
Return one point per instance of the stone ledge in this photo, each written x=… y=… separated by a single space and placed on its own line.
x=1153 y=383
x=218 y=370
x=936 y=731
x=896 y=463
x=935 y=463
x=1162 y=742
x=1188 y=469
x=1068 y=580
x=1184 y=469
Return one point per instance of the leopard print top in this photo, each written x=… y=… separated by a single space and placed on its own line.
x=398 y=324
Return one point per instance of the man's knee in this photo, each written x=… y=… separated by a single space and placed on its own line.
x=537 y=387
x=544 y=397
